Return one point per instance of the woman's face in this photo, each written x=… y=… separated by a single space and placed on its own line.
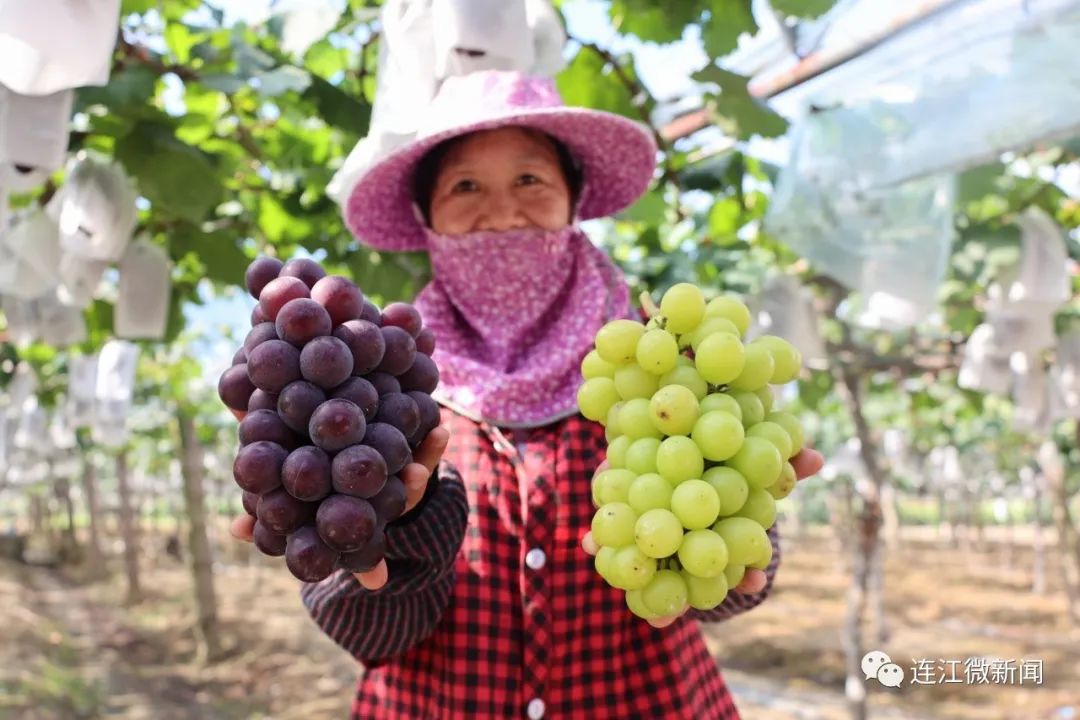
x=502 y=179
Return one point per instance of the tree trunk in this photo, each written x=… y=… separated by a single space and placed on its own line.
x=128 y=529
x=891 y=515
x=1066 y=531
x=206 y=630
x=1038 y=566
x=94 y=557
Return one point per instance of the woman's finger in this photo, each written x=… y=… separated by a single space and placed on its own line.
x=241 y=527
x=374 y=578
x=663 y=622
x=753 y=581
x=601 y=467
x=807 y=463
x=415 y=476
x=589 y=545
x=431 y=450
x=238 y=414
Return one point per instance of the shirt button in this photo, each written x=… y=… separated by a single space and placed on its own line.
x=535 y=709
x=535 y=559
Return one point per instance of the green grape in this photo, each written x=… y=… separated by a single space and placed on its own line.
x=721 y=401
x=616 y=451
x=632 y=381
x=760 y=507
x=758 y=461
x=765 y=395
x=710 y=326
x=617 y=341
x=609 y=434
x=595 y=397
x=734 y=574
x=674 y=410
x=612 y=420
x=665 y=594
x=718 y=435
x=603 y=561
x=695 y=503
x=794 y=430
x=631 y=569
x=657 y=351
x=613 y=524
x=679 y=459
x=655 y=323
x=730 y=487
x=720 y=358
x=766 y=557
x=703 y=553
x=594 y=366
x=785 y=484
x=657 y=532
x=635 y=419
x=745 y=539
x=731 y=309
x=683 y=305
x=757 y=368
x=684 y=361
x=787 y=360
x=705 y=593
x=649 y=492
x=641 y=455
x=612 y=486
x=750 y=404
x=773 y=433
x=637 y=605
x=688 y=377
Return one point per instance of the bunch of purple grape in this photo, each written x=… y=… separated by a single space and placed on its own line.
x=337 y=395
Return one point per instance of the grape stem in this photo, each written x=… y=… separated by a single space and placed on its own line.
x=647 y=302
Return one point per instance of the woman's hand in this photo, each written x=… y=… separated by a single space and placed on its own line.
x=807 y=463
x=415 y=476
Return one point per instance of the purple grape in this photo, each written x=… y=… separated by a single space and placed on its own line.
x=326 y=361
x=359 y=471
x=345 y=523
x=269 y=542
x=404 y=316
x=367 y=557
x=422 y=376
x=306 y=474
x=430 y=417
x=258 y=335
x=249 y=500
x=371 y=313
x=301 y=321
x=273 y=365
x=257 y=467
x=400 y=350
x=399 y=410
x=365 y=341
x=235 y=387
x=278 y=293
x=260 y=272
x=425 y=341
x=280 y=512
x=391 y=444
x=340 y=297
x=239 y=357
x=307 y=270
x=361 y=392
x=384 y=383
x=308 y=557
x=297 y=402
x=257 y=315
x=390 y=502
x=265 y=425
x=337 y=424
x=262 y=400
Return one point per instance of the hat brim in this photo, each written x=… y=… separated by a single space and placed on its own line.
x=617 y=157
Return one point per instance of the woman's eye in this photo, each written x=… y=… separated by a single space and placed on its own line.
x=528 y=179
x=463 y=186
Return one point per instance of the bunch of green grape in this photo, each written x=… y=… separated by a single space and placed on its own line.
x=697 y=453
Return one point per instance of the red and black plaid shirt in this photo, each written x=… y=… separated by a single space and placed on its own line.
x=467 y=628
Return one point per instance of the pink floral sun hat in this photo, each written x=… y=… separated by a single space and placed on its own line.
x=617 y=156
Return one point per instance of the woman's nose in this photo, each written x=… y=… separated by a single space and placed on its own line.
x=503 y=212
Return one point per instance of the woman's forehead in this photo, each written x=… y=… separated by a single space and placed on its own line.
x=523 y=141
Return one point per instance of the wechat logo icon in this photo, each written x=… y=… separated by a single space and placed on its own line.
x=878 y=665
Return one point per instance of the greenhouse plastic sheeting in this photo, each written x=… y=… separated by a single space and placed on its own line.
x=50 y=45
x=786 y=308
x=95 y=209
x=33 y=134
x=891 y=245
x=142 y=304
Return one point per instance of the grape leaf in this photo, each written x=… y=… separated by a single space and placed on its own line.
x=803 y=8
x=728 y=19
x=735 y=111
